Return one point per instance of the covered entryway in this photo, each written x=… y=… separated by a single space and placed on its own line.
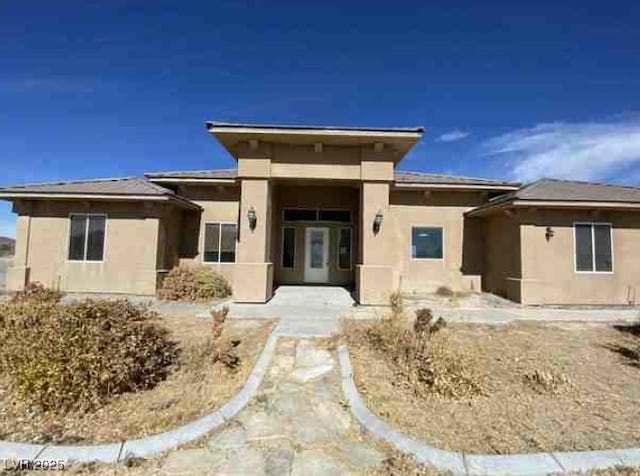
x=314 y=232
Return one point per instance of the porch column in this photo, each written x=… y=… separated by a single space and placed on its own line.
x=253 y=274
x=374 y=277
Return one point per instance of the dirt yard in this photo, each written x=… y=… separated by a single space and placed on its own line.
x=591 y=402
x=194 y=388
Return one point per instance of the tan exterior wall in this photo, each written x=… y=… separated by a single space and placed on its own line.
x=130 y=254
x=502 y=266
x=219 y=204
x=548 y=267
x=460 y=268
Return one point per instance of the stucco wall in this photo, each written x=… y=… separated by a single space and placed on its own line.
x=130 y=253
x=549 y=275
x=502 y=264
x=219 y=204
x=461 y=266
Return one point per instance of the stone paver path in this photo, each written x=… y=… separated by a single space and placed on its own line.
x=296 y=425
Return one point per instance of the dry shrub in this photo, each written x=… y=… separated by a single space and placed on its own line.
x=76 y=356
x=36 y=292
x=224 y=350
x=423 y=356
x=396 y=302
x=197 y=283
x=547 y=381
x=401 y=464
x=445 y=291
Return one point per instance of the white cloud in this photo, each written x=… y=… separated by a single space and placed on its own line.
x=580 y=151
x=453 y=136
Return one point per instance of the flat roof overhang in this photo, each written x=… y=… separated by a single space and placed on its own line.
x=402 y=139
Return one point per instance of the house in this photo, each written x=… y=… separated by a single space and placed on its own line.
x=327 y=205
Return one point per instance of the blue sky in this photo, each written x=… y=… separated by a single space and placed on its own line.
x=107 y=89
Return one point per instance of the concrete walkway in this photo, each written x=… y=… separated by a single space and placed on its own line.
x=294 y=426
x=304 y=311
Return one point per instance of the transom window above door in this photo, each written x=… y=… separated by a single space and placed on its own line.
x=315 y=214
x=219 y=243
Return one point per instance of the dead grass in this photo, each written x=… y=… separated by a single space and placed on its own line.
x=193 y=388
x=547 y=387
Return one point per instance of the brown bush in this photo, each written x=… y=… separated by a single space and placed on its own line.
x=76 y=356
x=423 y=356
x=198 y=283
x=36 y=292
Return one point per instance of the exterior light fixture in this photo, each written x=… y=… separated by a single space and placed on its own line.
x=377 y=221
x=251 y=216
x=548 y=234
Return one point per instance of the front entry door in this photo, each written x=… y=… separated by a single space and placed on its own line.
x=316 y=255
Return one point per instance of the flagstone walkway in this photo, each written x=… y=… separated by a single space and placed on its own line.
x=296 y=425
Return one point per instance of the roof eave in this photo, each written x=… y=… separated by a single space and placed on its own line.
x=451 y=186
x=101 y=197
x=192 y=180
x=558 y=204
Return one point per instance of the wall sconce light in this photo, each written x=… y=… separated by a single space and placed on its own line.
x=548 y=234
x=251 y=216
x=377 y=221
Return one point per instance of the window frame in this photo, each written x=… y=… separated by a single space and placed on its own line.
x=295 y=246
x=415 y=258
x=202 y=240
x=350 y=248
x=592 y=225
x=86 y=238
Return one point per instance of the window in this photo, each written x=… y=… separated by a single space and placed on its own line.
x=344 y=248
x=288 y=247
x=297 y=214
x=86 y=237
x=593 y=247
x=312 y=214
x=426 y=242
x=219 y=242
x=343 y=216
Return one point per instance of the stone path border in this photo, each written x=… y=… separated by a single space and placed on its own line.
x=473 y=464
x=158 y=443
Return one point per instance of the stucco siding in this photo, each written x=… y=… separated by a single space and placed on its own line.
x=219 y=204
x=502 y=266
x=130 y=252
x=548 y=265
x=461 y=266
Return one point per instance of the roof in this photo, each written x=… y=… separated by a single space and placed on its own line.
x=233 y=135
x=547 y=191
x=554 y=189
x=114 y=188
x=238 y=125
x=402 y=177
x=408 y=178
x=224 y=174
